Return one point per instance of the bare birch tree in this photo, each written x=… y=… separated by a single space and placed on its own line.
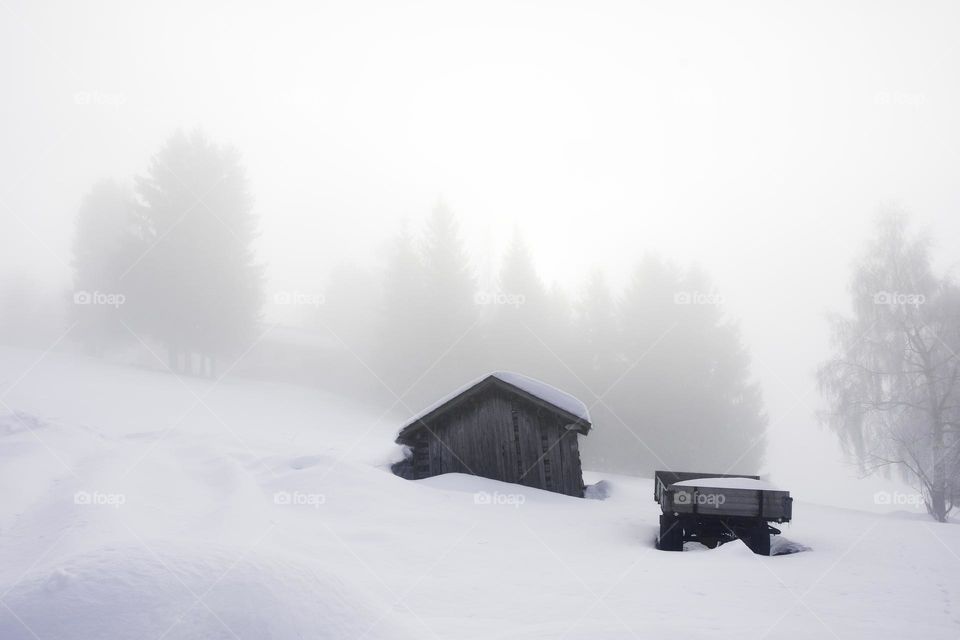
x=893 y=385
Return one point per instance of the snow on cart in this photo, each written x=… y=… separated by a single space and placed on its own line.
x=715 y=508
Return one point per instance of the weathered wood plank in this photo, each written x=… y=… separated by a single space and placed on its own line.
x=503 y=436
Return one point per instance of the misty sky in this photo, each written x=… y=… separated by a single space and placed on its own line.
x=755 y=141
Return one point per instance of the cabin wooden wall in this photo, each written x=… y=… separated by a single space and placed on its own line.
x=502 y=436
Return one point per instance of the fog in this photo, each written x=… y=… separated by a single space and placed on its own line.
x=755 y=144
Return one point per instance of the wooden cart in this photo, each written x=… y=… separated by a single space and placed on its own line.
x=713 y=508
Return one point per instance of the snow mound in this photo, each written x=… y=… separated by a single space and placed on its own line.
x=598 y=491
x=132 y=592
x=780 y=546
x=735 y=550
x=487 y=488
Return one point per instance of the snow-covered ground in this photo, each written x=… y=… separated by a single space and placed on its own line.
x=139 y=505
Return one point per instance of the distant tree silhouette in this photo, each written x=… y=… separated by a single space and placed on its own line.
x=518 y=276
x=103 y=245
x=663 y=370
x=449 y=313
x=400 y=359
x=203 y=286
x=682 y=395
x=893 y=383
x=598 y=332
x=517 y=319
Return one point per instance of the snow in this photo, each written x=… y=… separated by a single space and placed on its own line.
x=534 y=387
x=132 y=510
x=545 y=392
x=727 y=483
x=597 y=491
x=204 y=593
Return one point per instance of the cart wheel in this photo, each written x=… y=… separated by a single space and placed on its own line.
x=671 y=534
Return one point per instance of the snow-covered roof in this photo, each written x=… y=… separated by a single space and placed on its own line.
x=546 y=392
x=727 y=483
x=530 y=386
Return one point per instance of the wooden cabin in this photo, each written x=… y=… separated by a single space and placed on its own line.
x=504 y=426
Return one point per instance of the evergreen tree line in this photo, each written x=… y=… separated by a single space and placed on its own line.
x=664 y=373
x=662 y=369
x=169 y=262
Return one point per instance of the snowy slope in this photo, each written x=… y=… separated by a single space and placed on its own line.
x=137 y=505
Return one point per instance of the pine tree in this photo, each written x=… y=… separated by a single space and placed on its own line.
x=597 y=332
x=400 y=357
x=518 y=277
x=518 y=321
x=684 y=398
x=450 y=310
x=204 y=284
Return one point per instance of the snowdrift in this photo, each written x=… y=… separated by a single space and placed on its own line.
x=189 y=594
